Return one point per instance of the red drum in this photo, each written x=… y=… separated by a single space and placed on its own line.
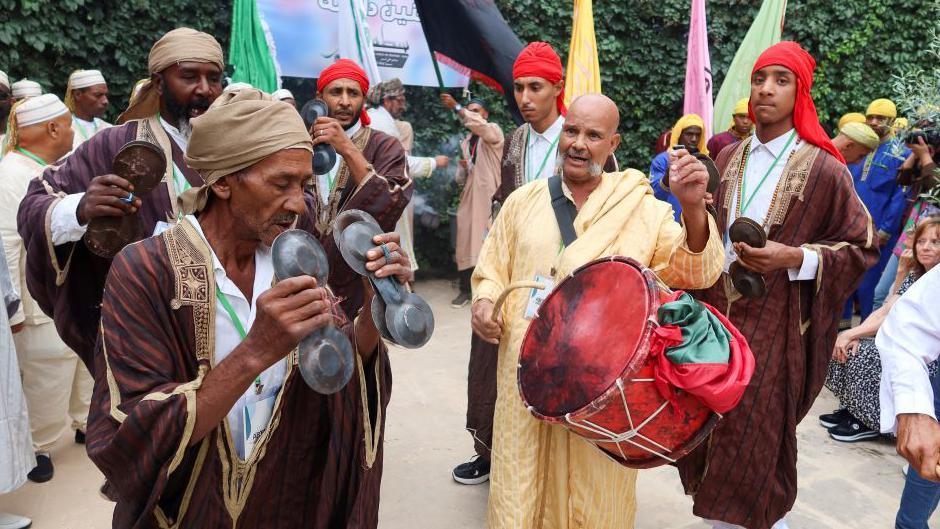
x=585 y=364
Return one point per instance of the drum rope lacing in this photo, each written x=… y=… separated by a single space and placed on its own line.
x=633 y=432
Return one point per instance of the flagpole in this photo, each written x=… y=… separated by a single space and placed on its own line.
x=437 y=70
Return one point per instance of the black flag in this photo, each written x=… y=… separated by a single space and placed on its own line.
x=472 y=37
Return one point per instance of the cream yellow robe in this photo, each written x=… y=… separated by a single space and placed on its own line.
x=543 y=477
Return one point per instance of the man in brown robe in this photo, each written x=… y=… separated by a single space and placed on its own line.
x=820 y=242
x=370 y=174
x=202 y=419
x=64 y=277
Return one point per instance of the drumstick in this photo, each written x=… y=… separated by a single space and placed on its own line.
x=513 y=286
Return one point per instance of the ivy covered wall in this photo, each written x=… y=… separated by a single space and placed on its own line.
x=858 y=45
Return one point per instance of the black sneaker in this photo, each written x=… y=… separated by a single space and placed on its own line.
x=79 y=437
x=461 y=300
x=473 y=472
x=43 y=471
x=852 y=431
x=831 y=420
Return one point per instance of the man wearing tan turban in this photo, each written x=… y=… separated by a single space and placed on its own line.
x=65 y=278
x=203 y=419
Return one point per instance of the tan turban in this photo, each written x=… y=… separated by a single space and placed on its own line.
x=179 y=45
x=239 y=130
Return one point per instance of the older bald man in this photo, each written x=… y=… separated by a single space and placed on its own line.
x=541 y=476
x=203 y=419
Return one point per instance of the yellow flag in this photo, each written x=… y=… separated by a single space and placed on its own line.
x=584 y=71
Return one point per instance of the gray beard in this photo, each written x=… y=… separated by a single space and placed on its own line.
x=594 y=169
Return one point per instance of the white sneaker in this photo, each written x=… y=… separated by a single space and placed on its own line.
x=12 y=521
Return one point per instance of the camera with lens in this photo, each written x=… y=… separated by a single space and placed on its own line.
x=928 y=131
x=324 y=155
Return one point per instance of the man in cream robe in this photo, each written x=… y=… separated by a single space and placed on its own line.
x=55 y=381
x=542 y=475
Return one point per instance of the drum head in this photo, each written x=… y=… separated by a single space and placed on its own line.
x=298 y=253
x=590 y=330
x=142 y=164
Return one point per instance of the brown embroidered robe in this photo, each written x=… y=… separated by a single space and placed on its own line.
x=67 y=280
x=745 y=473
x=317 y=465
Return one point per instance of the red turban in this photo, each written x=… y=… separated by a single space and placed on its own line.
x=346 y=69
x=790 y=55
x=538 y=59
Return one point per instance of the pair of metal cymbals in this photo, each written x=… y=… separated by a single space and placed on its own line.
x=143 y=164
x=325 y=356
x=402 y=317
x=748 y=282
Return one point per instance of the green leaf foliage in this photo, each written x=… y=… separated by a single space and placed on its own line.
x=858 y=45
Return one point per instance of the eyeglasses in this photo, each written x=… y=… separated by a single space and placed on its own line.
x=928 y=243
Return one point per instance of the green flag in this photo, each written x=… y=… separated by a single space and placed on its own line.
x=764 y=32
x=249 y=52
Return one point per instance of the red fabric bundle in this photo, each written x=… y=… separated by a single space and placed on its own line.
x=538 y=59
x=346 y=69
x=718 y=386
x=790 y=55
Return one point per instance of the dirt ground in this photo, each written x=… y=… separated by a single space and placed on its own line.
x=841 y=485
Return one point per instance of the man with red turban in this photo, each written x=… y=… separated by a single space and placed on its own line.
x=788 y=178
x=370 y=173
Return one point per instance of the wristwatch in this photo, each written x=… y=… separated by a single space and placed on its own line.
x=458 y=108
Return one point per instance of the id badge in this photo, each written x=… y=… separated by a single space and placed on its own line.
x=537 y=297
x=256 y=414
x=160 y=227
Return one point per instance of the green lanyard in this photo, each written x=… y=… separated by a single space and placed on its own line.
x=747 y=201
x=223 y=299
x=331 y=179
x=31 y=156
x=551 y=149
x=177 y=178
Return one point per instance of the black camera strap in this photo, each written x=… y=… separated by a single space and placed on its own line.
x=565 y=211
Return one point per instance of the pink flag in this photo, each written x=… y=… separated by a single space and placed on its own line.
x=698 y=69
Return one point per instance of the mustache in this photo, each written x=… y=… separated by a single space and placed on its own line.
x=287 y=218
x=594 y=169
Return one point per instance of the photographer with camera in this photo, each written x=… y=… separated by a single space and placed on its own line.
x=876 y=182
x=369 y=173
x=921 y=173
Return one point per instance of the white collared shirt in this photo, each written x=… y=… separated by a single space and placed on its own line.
x=227 y=337
x=84 y=130
x=537 y=151
x=324 y=180
x=907 y=341
x=64 y=224
x=760 y=160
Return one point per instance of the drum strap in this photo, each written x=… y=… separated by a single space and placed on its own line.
x=565 y=211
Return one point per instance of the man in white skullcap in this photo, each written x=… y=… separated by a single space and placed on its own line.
x=6 y=101
x=235 y=87
x=65 y=278
x=25 y=88
x=55 y=382
x=285 y=95
x=87 y=97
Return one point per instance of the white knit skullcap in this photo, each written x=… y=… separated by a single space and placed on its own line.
x=282 y=94
x=39 y=109
x=26 y=88
x=85 y=78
